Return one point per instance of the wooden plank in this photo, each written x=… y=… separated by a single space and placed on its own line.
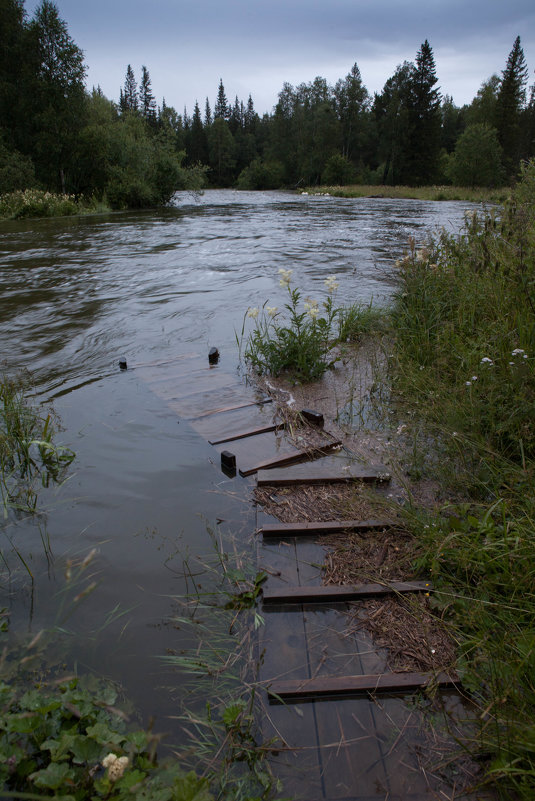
x=289 y=458
x=321 y=527
x=230 y=408
x=287 y=689
x=316 y=473
x=225 y=424
x=252 y=432
x=341 y=592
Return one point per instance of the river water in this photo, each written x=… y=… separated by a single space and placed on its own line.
x=145 y=489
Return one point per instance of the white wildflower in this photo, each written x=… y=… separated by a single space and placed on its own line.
x=313 y=312
x=486 y=360
x=331 y=283
x=468 y=383
x=115 y=766
x=286 y=277
x=271 y=310
x=310 y=304
x=252 y=313
x=512 y=364
x=517 y=351
x=474 y=378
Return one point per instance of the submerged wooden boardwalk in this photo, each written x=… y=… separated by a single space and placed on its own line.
x=339 y=717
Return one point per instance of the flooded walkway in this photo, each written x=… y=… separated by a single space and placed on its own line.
x=343 y=725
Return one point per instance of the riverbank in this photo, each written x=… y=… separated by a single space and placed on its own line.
x=457 y=379
x=466 y=193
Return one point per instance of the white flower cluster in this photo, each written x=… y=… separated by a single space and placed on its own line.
x=486 y=360
x=311 y=308
x=115 y=766
x=271 y=310
x=331 y=283
x=252 y=312
x=285 y=277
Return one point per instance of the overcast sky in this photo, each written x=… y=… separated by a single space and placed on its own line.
x=257 y=45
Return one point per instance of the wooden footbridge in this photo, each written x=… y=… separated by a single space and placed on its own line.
x=339 y=716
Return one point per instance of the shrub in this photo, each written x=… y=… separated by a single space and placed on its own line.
x=37 y=203
x=303 y=345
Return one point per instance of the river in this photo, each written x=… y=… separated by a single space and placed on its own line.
x=145 y=490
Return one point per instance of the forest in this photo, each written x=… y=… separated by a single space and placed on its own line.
x=57 y=136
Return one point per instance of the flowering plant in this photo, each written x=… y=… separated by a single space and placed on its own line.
x=302 y=344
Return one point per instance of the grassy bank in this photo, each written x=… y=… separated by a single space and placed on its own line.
x=38 y=203
x=463 y=371
x=474 y=194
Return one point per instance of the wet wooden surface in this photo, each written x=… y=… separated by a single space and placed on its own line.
x=348 y=748
x=306 y=528
x=327 y=470
x=341 y=592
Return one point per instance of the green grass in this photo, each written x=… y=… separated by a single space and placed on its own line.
x=474 y=195
x=29 y=455
x=38 y=203
x=464 y=369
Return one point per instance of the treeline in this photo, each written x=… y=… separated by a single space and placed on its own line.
x=57 y=136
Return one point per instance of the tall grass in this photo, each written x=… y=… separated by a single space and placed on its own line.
x=464 y=320
x=38 y=203
x=472 y=194
x=28 y=453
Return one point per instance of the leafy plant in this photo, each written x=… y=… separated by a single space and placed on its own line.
x=65 y=741
x=303 y=345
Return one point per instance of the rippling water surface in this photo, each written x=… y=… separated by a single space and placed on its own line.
x=76 y=294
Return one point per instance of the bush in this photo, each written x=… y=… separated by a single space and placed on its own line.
x=37 y=203
x=302 y=346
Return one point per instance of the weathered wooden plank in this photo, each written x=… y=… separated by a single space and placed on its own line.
x=321 y=527
x=341 y=592
x=230 y=408
x=316 y=473
x=287 y=689
x=252 y=432
x=289 y=458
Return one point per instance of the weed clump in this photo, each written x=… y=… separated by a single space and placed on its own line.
x=303 y=346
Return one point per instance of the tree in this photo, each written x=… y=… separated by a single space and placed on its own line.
x=352 y=101
x=424 y=120
x=222 y=152
x=196 y=142
x=130 y=94
x=59 y=97
x=12 y=34
x=482 y=109
x=509 y=105
x=146 y=98
x=477 y=160
x=221 y=109
x=391 y=113
x=207 y=114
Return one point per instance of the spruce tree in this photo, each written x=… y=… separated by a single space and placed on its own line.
x=207 y=114
x=221 y=109
x=424 y=120
x=196 y=142
x=146 y=98
x=130 y=94
x=509 y=106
